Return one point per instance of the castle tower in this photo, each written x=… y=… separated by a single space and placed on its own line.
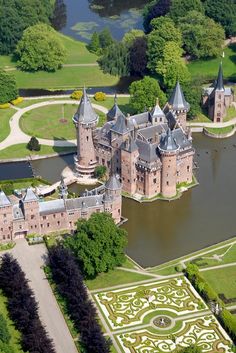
x=113 y=198
x=6 y=218
x=157 y=115
x=129 y=155
x=217 y=99
x=178 y=104
x=114 y=112
x=63 y=189
x=168 y=149
x=30 y=205
x=85 y=120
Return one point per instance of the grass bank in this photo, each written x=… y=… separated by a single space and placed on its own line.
x=5 y=115
x=220 y=131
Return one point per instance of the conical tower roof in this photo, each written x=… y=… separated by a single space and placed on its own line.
x=85 y=113
x=168 y=143
x=157 y=111
x=113 y=183
x=120 y=125
x=4 y=201
x=177 y=100
x=219 y=86
x=30 y=196
x=114 y=112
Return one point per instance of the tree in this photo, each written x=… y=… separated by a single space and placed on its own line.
x=16 y=16
x=98 y=244
x=4 y=332
x=155 y=9
x=130 y=37
x=223 y=12
x=100 y=171
x=105 y=38
x=94 y=45
x=202 y=37
x=163 y=30
x=144 y=93
x=116 y=60
x=172 y=67
x=138 y=56
x=193 y=94
x=33 y=144
x=179 y=8
x=8 y=89
x=40 y=49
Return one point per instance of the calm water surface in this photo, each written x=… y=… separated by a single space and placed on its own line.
x=161 y=231
x=83 y=17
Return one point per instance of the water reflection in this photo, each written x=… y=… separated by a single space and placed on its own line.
x=108 y=8
x=59 y=18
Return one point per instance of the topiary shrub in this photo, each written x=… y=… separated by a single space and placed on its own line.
x=5 y=106
x=33 y=144
x=17 y=100
x=76 y=95
x=100 y=96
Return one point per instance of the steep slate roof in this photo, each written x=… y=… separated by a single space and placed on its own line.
x=30 y=196
x=219 y=86
x=113 y=183
x=83 y=202
x=120 y=125
x=157 y=111
x=130 y=145
x=177 y=100
x=4 y=201
x=49 y=207
x=147 y=151
x=168 y=142
x=181 y=139
x=85 y=113
x=114 y=112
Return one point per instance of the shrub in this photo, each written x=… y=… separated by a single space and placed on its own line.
x=76 y=95
x=100 y=96
x=179 y=268
x=17 y=100
x=5 y=106
x=33 y=144
x=229 y=322
x=100 y=171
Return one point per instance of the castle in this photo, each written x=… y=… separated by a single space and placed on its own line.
x=217 y=99
x=27 y=214
x=151 y=152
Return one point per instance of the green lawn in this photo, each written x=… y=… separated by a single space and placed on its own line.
x=222 y=280
x=47 y=122
x=231 y=113
x=15 y=335
x=208 y=69
x=66 y=78
x=222 y=130
x=20 y=151
x=5 y=115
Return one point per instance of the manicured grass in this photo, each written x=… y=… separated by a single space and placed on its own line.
x=15 y=335
x=208 y=69
x=47 y=122
x=201 y=118
x=218 y=131
x=20 y=151
x=113 y=278
x=66 y=78
x=5 y=115
x=222 y=280
x=6 y=62
x=231 y=113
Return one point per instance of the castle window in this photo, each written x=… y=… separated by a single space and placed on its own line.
x=31 y=227
x=54 y=216
x=44 y=217
x=20 y=226
x=167 y=183
x=41 y=225
x=32 y=216
x=62 y=214
x=219 y=105
x=155 y=181
x=48 y=224
x=188 y=168
x=58 y=223
x=103 y=161
x=128 y=181
x=4 y=215
x=119 y=211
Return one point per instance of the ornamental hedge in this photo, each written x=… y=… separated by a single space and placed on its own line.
x=69 y=284
x=23 y=308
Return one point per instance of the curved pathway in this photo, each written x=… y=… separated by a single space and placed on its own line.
x=17 y=136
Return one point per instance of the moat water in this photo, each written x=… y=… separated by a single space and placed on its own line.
x=161 y=230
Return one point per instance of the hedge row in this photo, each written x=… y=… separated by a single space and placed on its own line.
x=69 y=283
x=227 y=320
x=23 y=308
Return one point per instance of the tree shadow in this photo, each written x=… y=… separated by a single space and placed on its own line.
x=64 y=151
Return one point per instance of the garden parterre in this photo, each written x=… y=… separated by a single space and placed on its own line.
x=130 y=316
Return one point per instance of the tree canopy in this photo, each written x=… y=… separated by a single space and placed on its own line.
x=163 y=31
x=138 y=56
x=202 y=37
x=179 y=8
x=144 y=94
x=153 y=10
x=98 y=244
x=16 y=16
x=8 y=89
x=116 y=60
x=223 y=12
x=172 y=67
x=40 y=49
x=130 y=37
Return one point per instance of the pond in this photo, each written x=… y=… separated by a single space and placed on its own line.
x=161 y=230
x=82 y=17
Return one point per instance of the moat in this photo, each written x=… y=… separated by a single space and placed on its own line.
x=162 y=230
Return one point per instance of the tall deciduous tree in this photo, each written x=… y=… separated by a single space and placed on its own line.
x=16 y=16
x=105 y=38
x=163 y=30
x=138 y=56
x=179 y=8
x=130 y=37
x=94 y=45
x=8 y=89
x=202 y=37
x=153 y=10
x=172 y=67
x=223 y=12
x=98 y=244
x=116 y=60
x=40 y=49
x=144 y=94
